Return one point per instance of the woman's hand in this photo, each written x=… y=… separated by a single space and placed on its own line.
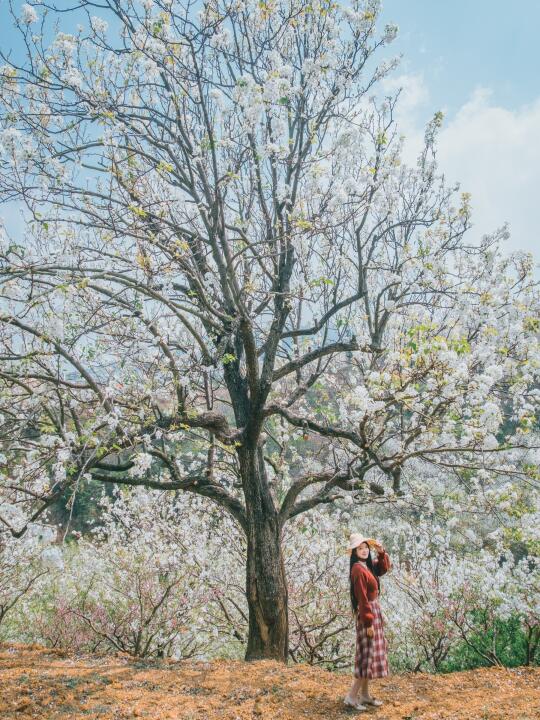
x=378 y=547
x=370 y=632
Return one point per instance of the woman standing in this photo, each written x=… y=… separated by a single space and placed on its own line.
x=371 y=647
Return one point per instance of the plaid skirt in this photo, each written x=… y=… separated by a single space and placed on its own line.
x=371 y=657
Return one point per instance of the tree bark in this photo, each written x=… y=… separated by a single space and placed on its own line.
x=266 y=591
x=266 y=584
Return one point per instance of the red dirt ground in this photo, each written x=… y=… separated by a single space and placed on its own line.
x=38 y=683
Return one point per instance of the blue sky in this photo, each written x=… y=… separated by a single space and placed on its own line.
x=462 y=44
x=479 y=62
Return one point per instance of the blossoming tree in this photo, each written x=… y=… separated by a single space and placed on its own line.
x=227 y=262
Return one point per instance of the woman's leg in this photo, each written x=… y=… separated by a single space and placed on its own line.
x=364 y=688
x=355 y=687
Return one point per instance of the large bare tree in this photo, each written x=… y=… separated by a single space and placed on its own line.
x=225 y=259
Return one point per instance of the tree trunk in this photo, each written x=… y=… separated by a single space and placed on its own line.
x=266 y=584
x=266 y=590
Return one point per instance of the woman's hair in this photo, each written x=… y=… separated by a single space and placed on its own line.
x=371 y=567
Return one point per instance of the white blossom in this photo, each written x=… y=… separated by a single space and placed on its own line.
x=28 y=14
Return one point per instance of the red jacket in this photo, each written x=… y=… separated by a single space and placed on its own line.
x=365 y=586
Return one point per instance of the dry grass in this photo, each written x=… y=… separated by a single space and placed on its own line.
x=38 y=683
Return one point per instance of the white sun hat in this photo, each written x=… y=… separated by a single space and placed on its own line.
x=356 y=539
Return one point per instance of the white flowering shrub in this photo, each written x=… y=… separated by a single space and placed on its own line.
x=145 y=583
x=23 y=562
x=320 y=618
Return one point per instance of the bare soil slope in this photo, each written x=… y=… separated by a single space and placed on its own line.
x=38 y=683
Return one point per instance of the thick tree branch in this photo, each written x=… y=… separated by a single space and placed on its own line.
x=197 y=484
x=332 y=348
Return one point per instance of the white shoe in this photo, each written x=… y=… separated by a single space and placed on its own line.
x=356 y=704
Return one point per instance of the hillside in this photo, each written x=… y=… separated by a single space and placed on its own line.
x=38 y=683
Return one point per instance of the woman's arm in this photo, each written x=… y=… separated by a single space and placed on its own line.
x=360 y=592
x=383 y=563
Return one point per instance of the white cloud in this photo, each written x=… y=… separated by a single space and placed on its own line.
x=414 y=94
x=493 y=152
